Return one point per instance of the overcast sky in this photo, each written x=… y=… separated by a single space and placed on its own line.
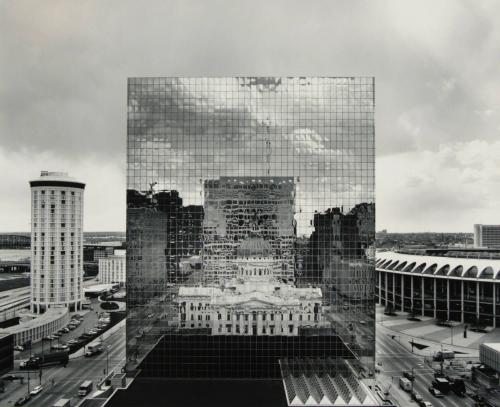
x=437 y=67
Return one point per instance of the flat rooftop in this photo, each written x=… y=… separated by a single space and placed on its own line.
x=493 y=345
x=200 y=392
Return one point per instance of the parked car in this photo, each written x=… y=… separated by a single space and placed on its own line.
x=425 y=403
x=72 y=342
x=416 y=396
x=435 y=392
x=57 y=335
x=19 y=348
x=23 y=400
x=47 y=338
x=36 y=390
x=71 y=326
x=65 y=330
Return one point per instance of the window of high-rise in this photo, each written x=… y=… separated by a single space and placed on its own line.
x=250 y=227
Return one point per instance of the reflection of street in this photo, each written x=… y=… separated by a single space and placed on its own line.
x=61 y=382
x=393 y=360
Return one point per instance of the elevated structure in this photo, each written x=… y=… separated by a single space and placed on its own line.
x=57 y=241
x=33 y=327
x=14 y=241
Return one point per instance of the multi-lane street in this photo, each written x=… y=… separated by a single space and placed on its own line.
x=393 y=360
x=62 y=382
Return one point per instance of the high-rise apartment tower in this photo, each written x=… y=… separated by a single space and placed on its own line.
x=56 y=241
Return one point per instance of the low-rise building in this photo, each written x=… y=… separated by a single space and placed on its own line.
x=112 y=269
x=489 y=355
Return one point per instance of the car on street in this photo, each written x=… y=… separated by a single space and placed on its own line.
x=57 y=335
x=19 y=348
x=425 y=403
x=435 y=392
x=71 y=326
x=416 y=396
x=47 y=338
x=23 y=400
x=36 y=390
x=409 y=376
x=65 y=330
x=72 y=342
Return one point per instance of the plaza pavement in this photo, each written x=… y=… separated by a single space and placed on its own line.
x=434 y=337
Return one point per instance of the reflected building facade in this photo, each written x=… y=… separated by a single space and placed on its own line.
x=250 y=225
x=237 y=206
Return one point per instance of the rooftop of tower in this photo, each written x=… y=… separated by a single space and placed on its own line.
x=56 y=178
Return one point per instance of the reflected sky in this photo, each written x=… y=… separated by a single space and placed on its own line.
x=183 y=131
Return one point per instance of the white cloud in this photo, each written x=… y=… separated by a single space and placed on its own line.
x=453 y=187
x=63 y=87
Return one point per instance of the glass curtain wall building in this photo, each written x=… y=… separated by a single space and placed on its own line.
x=250 y=225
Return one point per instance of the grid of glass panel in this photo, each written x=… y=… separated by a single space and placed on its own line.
x=250 y=220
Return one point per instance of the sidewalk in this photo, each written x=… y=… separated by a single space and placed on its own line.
x=424 y=347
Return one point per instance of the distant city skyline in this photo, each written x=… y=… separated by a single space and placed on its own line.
x=437 y=112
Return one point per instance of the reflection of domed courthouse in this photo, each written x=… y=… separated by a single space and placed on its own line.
x=253 y=303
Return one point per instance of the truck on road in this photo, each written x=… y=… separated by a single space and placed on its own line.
x=93 y=349
x=405 y=384
x=458 y=387
x=45 y=359
x=442 y=384
x=85 y=388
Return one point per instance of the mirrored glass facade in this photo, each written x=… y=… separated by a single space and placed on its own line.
x=250 y=224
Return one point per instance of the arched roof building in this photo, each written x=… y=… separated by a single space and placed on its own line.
x=450 y=288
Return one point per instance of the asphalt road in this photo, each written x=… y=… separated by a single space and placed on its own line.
x=394 y=361
x=67 y=380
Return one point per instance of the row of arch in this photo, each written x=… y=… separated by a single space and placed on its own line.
x=438 y=270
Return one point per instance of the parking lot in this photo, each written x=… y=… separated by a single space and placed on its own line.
x=89 y=320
